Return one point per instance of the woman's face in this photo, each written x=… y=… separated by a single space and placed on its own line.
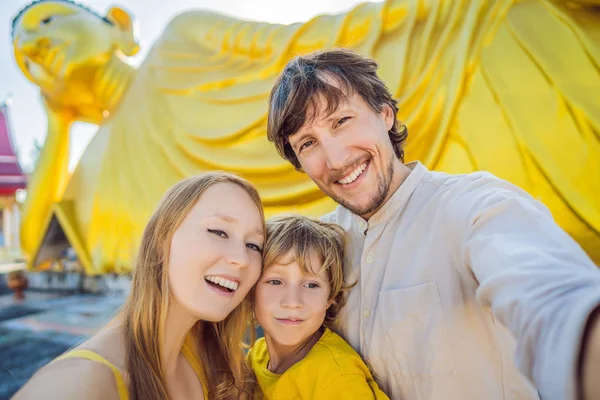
x=215 y=255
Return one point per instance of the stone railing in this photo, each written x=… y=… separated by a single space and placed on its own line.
x=74 y=282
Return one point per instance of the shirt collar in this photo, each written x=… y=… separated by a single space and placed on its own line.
x=396 y=202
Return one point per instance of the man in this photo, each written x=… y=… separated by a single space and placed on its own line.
x=444 y=263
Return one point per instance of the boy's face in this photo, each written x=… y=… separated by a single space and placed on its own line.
x=290 y=304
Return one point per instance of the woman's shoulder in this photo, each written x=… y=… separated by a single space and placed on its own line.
x=87 y=371
x=109 y=344
x=71 y=378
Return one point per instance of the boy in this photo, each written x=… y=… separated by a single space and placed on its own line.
x=297 y=298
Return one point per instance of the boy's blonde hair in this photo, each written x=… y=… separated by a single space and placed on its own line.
x=302 y=237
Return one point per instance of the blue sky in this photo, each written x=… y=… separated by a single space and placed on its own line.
x=27 y=116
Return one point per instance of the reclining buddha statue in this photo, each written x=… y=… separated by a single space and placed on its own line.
x=506 y=86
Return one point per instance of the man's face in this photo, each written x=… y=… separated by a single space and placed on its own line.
x=349 y=155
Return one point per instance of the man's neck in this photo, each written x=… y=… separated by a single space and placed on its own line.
x=399 y=175
x=282 y=357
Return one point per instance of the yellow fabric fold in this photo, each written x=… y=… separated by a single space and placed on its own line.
x=506 y=86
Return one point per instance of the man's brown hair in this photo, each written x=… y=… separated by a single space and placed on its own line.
x=306 y=79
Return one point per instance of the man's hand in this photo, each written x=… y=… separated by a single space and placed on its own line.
x=590 y=358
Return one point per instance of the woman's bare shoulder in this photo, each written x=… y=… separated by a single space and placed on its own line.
x=110 y=344
x=71 y=378
x=79 y=377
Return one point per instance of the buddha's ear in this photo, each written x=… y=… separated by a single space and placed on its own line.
x=127 y=39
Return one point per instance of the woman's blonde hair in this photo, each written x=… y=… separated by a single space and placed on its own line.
x=304 y=237
x=217 y=344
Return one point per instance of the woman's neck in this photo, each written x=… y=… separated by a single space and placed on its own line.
x=282 y=357
x=177 y=326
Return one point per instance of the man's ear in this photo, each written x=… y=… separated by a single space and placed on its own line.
x=127 y=39
x=387 y=112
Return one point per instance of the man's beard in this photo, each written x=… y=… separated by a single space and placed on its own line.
x=382 y=190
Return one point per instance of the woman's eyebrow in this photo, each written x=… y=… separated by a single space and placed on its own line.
x=227 y=218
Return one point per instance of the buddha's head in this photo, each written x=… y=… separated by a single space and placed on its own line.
x=59 y=45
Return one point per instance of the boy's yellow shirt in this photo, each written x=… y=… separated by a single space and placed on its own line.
x=330 y=370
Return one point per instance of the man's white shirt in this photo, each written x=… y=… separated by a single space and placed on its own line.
x=445 y=271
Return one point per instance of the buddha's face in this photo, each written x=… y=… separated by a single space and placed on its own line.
x=59 y=45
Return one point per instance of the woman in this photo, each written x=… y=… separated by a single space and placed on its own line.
x=200 y=254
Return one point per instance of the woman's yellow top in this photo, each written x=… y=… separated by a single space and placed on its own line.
x=330 y=370
x=121 y=385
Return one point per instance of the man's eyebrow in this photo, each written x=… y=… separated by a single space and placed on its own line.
x=333 y=116
x=336 y=114
x=299 y=137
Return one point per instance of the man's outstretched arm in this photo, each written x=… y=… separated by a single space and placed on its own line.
x=590 y=358
x=537 y=280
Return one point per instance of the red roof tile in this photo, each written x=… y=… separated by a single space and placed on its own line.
x=11 y=174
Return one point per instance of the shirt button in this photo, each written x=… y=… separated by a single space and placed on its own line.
x=366 y=313
x=369 y=259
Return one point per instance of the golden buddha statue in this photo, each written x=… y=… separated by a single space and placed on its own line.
x=505 y=86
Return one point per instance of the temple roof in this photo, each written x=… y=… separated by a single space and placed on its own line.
x=11 y=174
